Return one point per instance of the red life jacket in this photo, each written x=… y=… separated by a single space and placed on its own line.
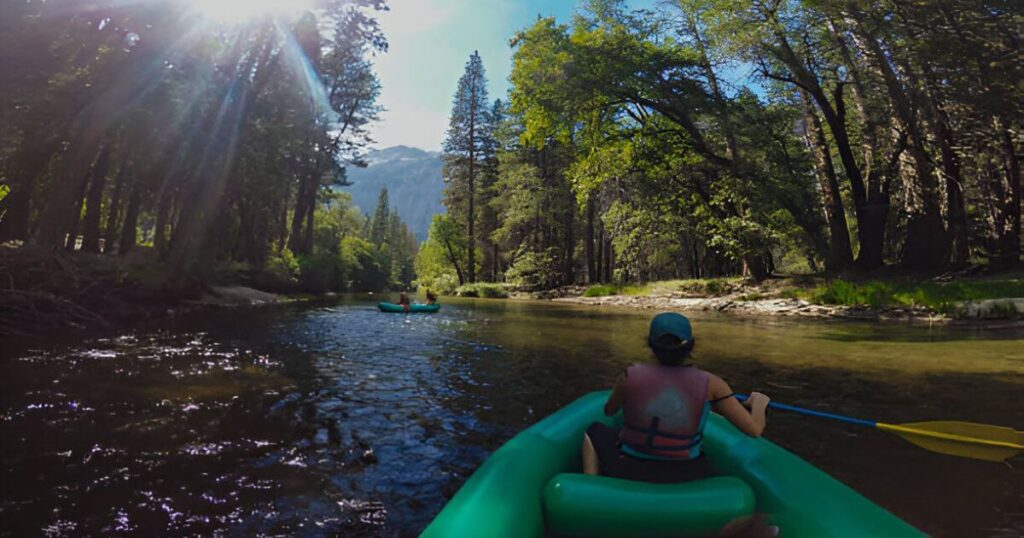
x=663 y=410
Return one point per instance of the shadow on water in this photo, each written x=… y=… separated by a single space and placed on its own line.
x=343 y=420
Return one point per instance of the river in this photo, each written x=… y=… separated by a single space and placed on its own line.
x=340 y=420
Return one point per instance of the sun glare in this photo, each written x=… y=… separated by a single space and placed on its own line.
x=241 y=11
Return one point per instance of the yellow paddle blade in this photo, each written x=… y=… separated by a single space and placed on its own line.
x=965 y=439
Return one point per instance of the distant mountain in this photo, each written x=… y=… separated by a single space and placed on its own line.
x=413 y=179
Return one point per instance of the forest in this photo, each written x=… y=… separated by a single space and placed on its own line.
x=725 y=137
x=144 y=130
x=695 y=139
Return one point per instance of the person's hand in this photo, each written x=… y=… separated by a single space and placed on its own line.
x=756 y=400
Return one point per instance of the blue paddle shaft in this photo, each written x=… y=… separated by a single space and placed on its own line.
x=813 y=413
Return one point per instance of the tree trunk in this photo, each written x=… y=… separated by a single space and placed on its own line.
x=926 y=245
x=94 y=202
x=65 y=193
x=454 y=260
x=307 y=240
x=160 y=234
x=608 y=259
x=1008 y=253
x=495 y=270
x=956 y=212
x=866 y=210
x=589 y=244
x=568 y=259
x=113 y=214
x=17 y=205
x=131 y=220
x=470 y=216
x=840 y=253
x=76 y=220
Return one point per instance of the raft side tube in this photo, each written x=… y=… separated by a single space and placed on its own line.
x=578 y=505
x=393 y=308
x=502 y=499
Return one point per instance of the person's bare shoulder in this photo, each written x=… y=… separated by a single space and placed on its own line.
x=717 y=387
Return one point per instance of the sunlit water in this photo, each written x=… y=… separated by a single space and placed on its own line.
x=341 y=420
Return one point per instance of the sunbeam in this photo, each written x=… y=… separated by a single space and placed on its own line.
x=242 y=11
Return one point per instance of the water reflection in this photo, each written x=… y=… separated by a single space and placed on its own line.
x=343 y=420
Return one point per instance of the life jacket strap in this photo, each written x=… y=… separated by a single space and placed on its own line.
x=653 y=432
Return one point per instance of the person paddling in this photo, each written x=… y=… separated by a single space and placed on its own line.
x=431 y=297
x=665 y=408
x=403 y=300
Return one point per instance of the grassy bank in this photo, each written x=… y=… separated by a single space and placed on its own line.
x=488 y=290
x=698 y=287
x=946 y=297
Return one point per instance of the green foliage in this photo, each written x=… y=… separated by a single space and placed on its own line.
x=319 y=273
x=488 y=290
x=701 y=287
x=932 y=295
x=469 y=161
x=143 y=125
x=601 y=290
x=535 y=270
x=284 y=267
x=440 y=261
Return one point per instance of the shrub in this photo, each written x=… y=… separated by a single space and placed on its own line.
x=600 y=290
x=535 y=270
x=937 y=296
x=443 y=283
x=486 y=290
x=283 y=266
x=319 y=273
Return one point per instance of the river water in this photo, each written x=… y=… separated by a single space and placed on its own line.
x=340 y=420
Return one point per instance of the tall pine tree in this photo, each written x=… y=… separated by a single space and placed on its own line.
x=469 y=136
x=379 y=226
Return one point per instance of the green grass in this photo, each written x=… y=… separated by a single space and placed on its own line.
x=489 y=290
x=943 y=297
x=601 y=290
x=696 y=286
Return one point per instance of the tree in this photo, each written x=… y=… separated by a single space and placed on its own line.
x=466 y=145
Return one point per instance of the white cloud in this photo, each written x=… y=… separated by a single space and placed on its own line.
x=408 y=124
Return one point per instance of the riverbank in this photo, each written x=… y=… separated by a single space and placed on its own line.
x=43 y=293
x=990 y=301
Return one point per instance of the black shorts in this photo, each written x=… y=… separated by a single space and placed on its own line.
x=616 y=463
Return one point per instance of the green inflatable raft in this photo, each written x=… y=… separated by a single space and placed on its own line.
x=530 y=487
x=413 y=308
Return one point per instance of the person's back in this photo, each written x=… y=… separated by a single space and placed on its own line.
x=665 y=408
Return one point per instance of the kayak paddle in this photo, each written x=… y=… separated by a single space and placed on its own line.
x=964 y=439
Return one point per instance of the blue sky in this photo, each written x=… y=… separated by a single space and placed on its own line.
x=430 y=41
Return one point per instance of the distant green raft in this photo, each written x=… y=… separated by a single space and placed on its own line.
x=413 y=308
x=531 y=486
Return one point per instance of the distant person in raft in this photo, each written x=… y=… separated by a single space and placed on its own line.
x=665 y=407
x=404 y=300
x=431 y=298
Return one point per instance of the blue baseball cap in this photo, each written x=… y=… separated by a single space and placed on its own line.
x=670 y=323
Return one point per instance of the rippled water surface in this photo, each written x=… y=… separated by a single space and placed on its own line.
x=340 y=420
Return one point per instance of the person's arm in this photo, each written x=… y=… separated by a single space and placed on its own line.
x=749 y=416
x=615 y=398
